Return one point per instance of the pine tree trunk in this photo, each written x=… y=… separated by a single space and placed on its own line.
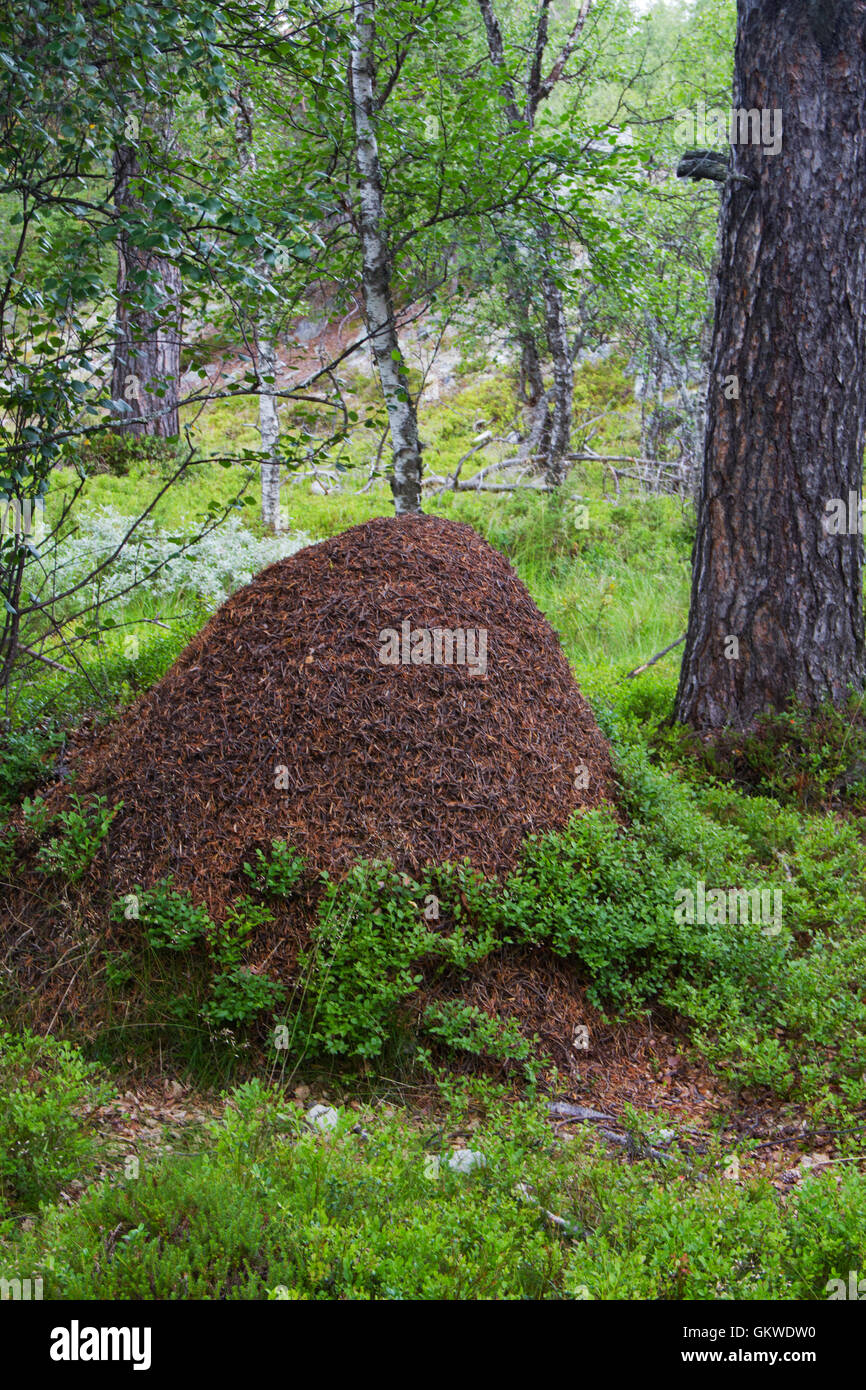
x=776 y=604
x=378 y=301
x=146 y=358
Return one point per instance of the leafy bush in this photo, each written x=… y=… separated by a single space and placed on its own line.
x=466 y=1028
x=24 y=760
x=83 y=828
x=172 y=922
x=115 y=452
x=279 y=873
x=372 y=941
x=364 y=959
x=37 y=815
x=46 y=1089
x=212 y=567
x=795 y=756
x=237 y=994
x=274 y=1209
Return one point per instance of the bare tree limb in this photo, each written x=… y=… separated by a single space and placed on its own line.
x=653 y=659
x=547 y=85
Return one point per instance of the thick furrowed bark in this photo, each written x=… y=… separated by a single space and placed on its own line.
x=776 y=604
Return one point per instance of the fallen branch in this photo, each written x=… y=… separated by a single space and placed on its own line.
x=578 y=1114
x=615 y=458
x=653 y=659
x=453 y=483
x=562 y=1110
x=559 y=1222
x=472 y=486
x=46 y=661
x=505 y=487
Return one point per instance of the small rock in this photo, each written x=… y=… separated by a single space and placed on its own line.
x=323 y=1117
x=466 y=1161
x=302 y=1092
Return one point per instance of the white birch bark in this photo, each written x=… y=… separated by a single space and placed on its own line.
x=556 y=329
x=265 y=348
x=378 y=301
x=550 y=434
x=269 y=430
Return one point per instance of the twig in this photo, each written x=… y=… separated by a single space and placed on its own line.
x=46 y=660
x=558 y=1221
x=653 y=659
x=614 y=458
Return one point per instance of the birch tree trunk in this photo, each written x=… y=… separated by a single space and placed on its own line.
x=148 y=322
x=777 y=596
x=378 y=302
x=269 y=431
x=562 y=391
x=263 y=342
x=550 y=431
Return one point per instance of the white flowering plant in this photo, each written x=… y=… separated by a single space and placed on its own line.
x=209 y=568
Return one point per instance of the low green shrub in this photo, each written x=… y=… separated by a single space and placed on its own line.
x=466 y=1028
x=272 y=1208
x=796 y=756
x=237 y=994
x=25 y=757
x=277 y=873
x=82 y=830
x=119 y=453
x=46 y=1091
x=364 y=961
x=171 y=922
x=375 y=934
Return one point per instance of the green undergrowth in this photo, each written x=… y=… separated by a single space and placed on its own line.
x=770 y=1000
x=814 y=761
x=270 y=1207
x=47 y=1093
x=779 y=1005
